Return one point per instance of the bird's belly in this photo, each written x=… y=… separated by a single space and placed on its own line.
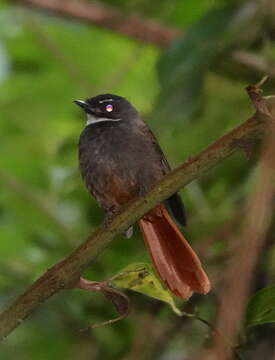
x=117 y=167
x=109 y=179
x=114 y=192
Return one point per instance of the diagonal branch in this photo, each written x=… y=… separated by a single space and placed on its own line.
x=66 y=273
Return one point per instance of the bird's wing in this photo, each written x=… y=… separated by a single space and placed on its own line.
x=174 y=202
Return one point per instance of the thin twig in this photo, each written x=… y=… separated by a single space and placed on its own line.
x=67 y=63
x=214 y=330
x=254 y=62
x=40 y=201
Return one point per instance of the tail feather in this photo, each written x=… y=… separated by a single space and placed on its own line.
x=175 y=261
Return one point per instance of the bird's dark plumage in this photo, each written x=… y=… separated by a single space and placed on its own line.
x=120 y=159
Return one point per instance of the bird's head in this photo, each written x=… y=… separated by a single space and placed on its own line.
x=107 y=108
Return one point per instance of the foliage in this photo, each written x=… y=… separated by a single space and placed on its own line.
x=183 y=67
x=45 y=63
x=261 y=307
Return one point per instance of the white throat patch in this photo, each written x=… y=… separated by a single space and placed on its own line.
x=91 y=119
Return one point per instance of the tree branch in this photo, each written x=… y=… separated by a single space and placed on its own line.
x=66 y=273
x=253 y=62
x=145 y=30
x=106 y=16
x=247 y=247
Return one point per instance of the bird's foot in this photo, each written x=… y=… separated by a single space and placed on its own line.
x=109 y=217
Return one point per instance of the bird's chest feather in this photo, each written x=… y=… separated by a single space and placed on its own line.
x=106 y=163
x=103 y=148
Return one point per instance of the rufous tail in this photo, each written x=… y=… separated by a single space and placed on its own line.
x=174 y=260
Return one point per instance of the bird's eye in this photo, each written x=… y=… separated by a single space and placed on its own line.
x=109 y=108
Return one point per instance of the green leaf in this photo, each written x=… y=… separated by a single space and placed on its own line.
x=141 y=278
x=261 y=307
x=183 y=67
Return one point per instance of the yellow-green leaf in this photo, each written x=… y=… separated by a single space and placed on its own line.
x=141 y=278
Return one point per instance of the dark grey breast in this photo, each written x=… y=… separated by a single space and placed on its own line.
x=118 y=162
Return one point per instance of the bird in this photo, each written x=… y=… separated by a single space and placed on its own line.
x=120 y=159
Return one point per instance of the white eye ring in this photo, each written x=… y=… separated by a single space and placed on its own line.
x=109 y=108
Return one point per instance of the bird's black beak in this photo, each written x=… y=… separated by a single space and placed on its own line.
x=83 y=104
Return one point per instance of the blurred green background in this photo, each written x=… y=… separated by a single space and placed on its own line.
x=190 y=93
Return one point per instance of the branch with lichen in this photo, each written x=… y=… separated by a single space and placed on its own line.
x=66 y=273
